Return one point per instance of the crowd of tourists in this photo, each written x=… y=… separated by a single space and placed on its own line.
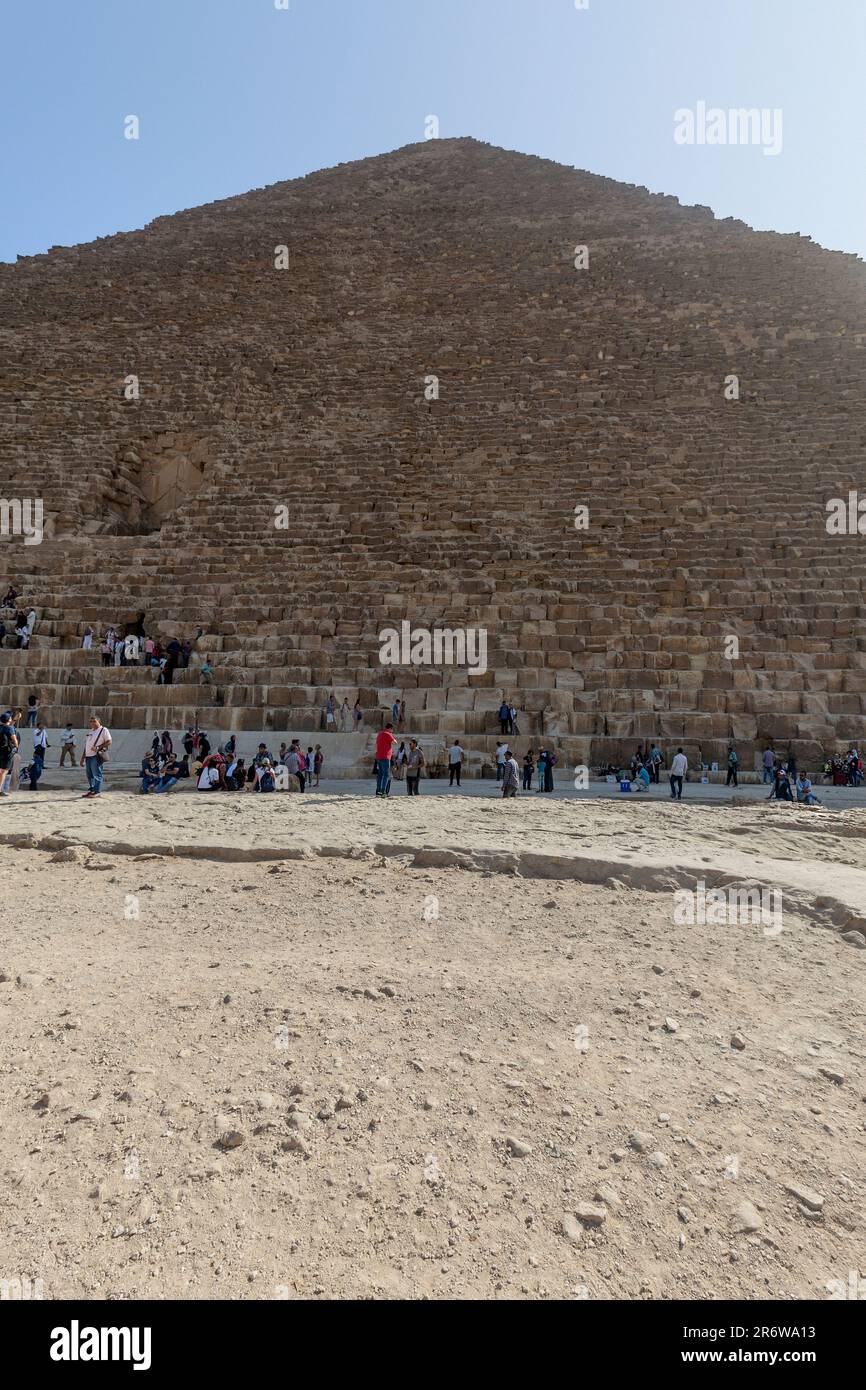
x=16 y=626
x=14 y=771
x=222 y=769
x=396 y=760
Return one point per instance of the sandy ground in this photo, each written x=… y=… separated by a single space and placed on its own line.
x=468 y=1049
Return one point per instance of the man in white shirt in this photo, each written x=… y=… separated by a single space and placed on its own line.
x=501 y=753
x=455 y=762
x=96 y=746
x=679 y=768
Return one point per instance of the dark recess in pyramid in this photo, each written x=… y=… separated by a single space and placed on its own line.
x=558 y=387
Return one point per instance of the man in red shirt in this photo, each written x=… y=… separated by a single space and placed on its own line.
x=384 y=749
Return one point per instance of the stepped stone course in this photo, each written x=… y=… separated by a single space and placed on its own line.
x=260 y=388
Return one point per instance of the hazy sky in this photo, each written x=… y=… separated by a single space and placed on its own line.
x=233 y=94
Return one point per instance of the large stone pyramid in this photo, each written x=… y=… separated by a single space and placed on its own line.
x=607 y=387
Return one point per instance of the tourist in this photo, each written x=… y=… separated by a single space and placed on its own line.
x=501 y=753
x=358 y=716
x=67 y=746
x=414 y=764
x=309 y=765
x=549 y=765
x=170 y=664
x=262 y=754
x=95 y=755
x=105 y=651
x=853 y=768
x=293 y=762
x=528 y=770
x=655 y=762
x=209 y=777
x=8 y=749
x=513 y=716
x=318 y=759
x=542 y=764
x=236 y=776
x=401 y=757
x=32 y=710
x=206 y=673
x=10 y=597
x=455 y=763
x=401 y=718
x=805 y=793
x=149 y=773
x=265 y=780
x=167 y=745
x=732 y=766
x=87 y=639
x=385 y=741
x=203 y=746
x=330 y=713
x=345 y=716
x=40 y=748
x=395 y=713
x=185 y=653
x=781 y=785
x=769 y=761
x=679 y=769
x=2 y=632
x=505 y=718
x=510 y=775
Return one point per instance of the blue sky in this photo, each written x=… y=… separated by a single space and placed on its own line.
x=233 y=94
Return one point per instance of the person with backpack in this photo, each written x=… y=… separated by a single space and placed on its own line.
x=8 y=749
x=96 y=751
x=32 y=710
x=265 y=779
x=414 y=764
x=655 y=762
x=732 y=766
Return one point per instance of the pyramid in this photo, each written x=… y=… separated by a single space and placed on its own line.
x=424 y=386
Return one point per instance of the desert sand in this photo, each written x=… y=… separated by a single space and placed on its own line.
x=281 y=1047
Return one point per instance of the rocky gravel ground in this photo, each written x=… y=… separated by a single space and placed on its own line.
x=366 y=1078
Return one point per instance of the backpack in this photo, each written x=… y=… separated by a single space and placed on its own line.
x=267 y=781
